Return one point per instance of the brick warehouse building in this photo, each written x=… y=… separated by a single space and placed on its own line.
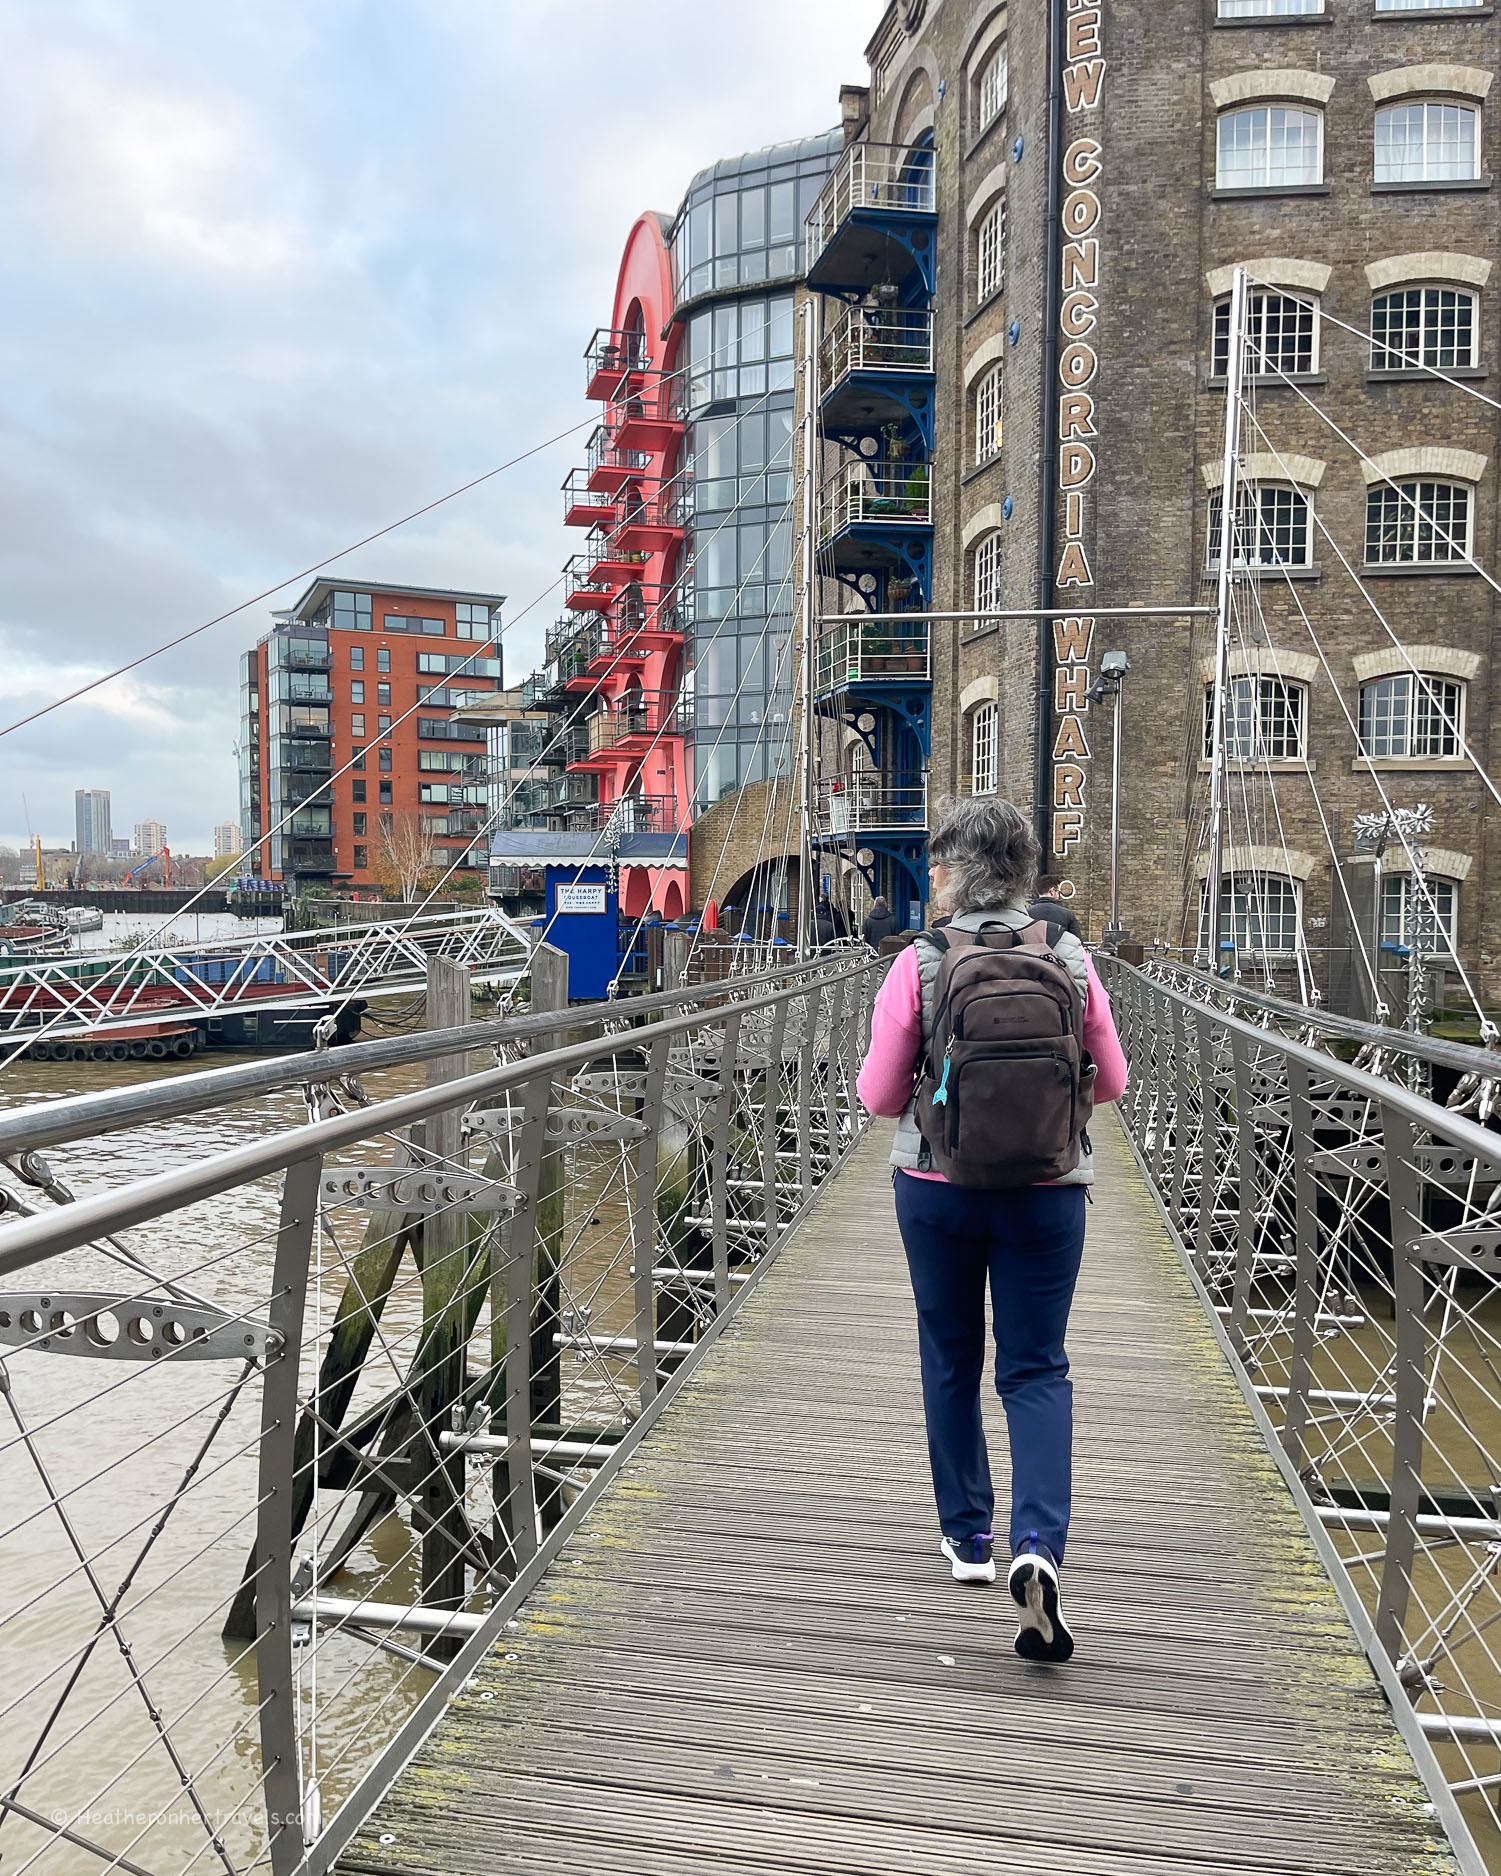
x=372 y=675
x=1340 y=151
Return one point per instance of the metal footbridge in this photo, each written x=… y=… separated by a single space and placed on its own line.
x=526 y=1469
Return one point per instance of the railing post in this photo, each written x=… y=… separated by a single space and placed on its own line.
x=771 y=1104
x=1406 y=1484
x=440 y=1365
x=812 y=1006
x=549 y=985
x=516 y=1253
x=1306 y=1274
x=281 y=1769
x=1181 y=1109
x=1246 y=1184
x=644 y=1221
x=1210 y=1134
x=719 y=1159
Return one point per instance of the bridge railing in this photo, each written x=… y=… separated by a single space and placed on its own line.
x=1345 y=1231
x=292 y=1428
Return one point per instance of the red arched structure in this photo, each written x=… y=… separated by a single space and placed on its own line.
x=627 y=576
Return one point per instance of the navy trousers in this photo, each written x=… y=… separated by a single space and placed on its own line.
x=1027 y=1245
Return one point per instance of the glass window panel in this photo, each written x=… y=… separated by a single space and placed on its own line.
x=993 y=86
x=1281 y=335
x=782 y=216
x=990 y=253
x=1432 y=326
x=714 y=448
x=753 y=218
x=779 y=326
x=1270 y=147
x=1271 y=528
x=1413 y=920
x=985 y=748
x=1258 y=911
x=700 y=235
x=356 y=657
x=752 y=331
x=988 y=574
x=1264 y=719
x=988 y=422
x=1432 y=141
x=779 y=437
x=726 y=238
x=1417 y=524
x=753 y=442
x=1266 y=9
x=714 y=562
x=1410 y=716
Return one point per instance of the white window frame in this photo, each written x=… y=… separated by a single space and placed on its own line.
x=989 y=417
x=1445 y=700
x=1465 y=106
x=1256 y=319
x=1424 y=6
x=988 y=572
x=1400 y=501
x=1248 y=492
x=1384 y=357
x=1247 y=884
x=992 y=88
x=1257 y=706
x=1267 y=9
x=990 y=251
x=1271 y=112
x=985 y=748
x=1397 y=920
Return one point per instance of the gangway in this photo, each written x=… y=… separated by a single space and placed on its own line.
x=101 y=994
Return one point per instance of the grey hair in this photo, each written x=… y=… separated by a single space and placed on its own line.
x=990 y=853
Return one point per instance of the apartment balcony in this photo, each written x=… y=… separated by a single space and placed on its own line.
x=635 y=814
x=304 y=657
x=853 y=808
x=584 y=589
x=573 y=790
x=612 y=360
x=649 y=416
x=875 y=223
x=652 y=525
x=876 y=517
x=586 y=507
x=630 y=726
x=856 y=654
x=876 y=368
x=308 y=856
x=608 y=466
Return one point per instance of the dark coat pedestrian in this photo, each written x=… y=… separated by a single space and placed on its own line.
x=880 y=922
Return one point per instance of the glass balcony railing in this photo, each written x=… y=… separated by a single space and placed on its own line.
x=636 y=716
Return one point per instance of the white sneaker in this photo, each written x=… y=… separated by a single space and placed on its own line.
x=1042 y=1634
x=973 y=1558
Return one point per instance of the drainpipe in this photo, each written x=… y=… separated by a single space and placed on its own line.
x=1047 y=508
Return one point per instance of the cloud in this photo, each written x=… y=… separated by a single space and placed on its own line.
x=276 y=275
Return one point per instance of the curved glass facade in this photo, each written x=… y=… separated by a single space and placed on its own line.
x=739 y=229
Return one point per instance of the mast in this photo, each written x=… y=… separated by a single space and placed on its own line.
x=1218 y=753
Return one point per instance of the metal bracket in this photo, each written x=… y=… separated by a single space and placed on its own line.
x=629 y=1084
x=568 y=1124
x=127 y=1328
x=420 y=1193
x=1463 y=1246
x=1439 y=1165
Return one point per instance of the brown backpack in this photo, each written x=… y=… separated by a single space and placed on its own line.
x=1008 y=1087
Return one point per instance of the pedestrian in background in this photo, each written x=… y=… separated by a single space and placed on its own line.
x=1011 y=1217
x=1046 y=904
x=880 y=922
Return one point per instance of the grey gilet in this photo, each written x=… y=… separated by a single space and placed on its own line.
x=909 y=1150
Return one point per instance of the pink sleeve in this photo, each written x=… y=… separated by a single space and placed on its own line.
x=889 y=1072
x=1102 y=1042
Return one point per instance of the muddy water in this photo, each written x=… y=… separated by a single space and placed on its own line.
x=116 y=1439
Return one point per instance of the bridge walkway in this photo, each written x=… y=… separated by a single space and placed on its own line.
x=752 y=1658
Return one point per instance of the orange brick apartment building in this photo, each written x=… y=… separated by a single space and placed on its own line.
x=367 y=676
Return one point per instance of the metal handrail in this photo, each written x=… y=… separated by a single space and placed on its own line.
x=876 y=338
x=887 y=176
x=689 y=1146
x=1342 y=1231
x=892 y=494
x=855 y=651
x=859 y=804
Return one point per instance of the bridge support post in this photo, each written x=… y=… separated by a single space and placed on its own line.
x=446 y=1540
x=644 y=1221
x=1245 y=1174
x=1408 y=1383
x=549 y=975
x=1306 y=1274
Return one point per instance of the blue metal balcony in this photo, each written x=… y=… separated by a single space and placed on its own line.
x=875 y=223
x=876 y=369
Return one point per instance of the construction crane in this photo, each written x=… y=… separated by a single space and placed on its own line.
x=165 y=856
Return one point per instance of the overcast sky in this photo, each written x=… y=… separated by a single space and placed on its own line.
x=277 y=272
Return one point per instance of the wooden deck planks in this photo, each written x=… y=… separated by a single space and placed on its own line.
x=752 y=1658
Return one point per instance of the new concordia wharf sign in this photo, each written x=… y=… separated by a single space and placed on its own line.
x=1078 y=434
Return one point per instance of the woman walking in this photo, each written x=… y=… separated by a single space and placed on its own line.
x=992 y=1038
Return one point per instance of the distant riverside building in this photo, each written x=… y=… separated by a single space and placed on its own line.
x=366 y=679
x=1069 y=371
x=227 y=840
x=91 y=820
x=119 y=848
x=150 y=837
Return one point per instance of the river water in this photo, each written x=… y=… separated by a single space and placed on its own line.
x=116 y=1439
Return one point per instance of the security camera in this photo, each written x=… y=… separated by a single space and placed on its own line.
x=1114 y=664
